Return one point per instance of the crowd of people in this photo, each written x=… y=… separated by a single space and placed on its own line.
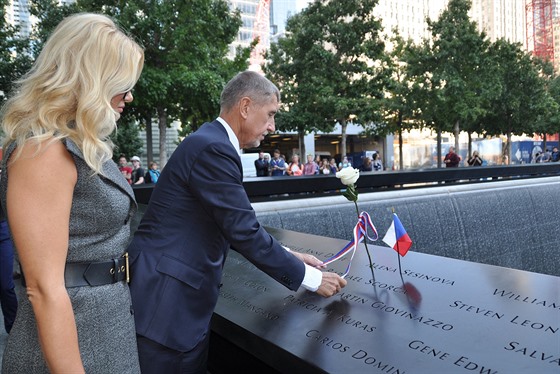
x=546 y=156
x=278 y=166
x=452 y=159
x=136 y=174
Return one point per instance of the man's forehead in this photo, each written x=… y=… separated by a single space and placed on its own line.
x=274 y=101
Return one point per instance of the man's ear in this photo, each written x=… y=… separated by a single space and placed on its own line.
x=244 y=105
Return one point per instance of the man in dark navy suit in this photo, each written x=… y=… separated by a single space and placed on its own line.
x=261 y=165
x=196 y=213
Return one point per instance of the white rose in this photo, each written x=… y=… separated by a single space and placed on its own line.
x=348 y=176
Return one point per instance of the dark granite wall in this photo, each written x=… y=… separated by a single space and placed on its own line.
x=513 y=224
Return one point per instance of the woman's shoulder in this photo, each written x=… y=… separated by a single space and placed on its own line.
x=40 y=157
x=38 y=149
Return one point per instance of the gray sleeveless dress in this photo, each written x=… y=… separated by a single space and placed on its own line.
x=99 y=230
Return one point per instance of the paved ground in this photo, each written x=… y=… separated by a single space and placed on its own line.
x=3 y=336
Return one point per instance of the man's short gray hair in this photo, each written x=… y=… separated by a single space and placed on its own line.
x=248 y=84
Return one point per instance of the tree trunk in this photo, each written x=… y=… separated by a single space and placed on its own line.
x=149 y=138
x=162 y=124
x=343 y=126
x=456 y=131
x=544 y=142
x=508 y=150
x=301 y=139
x=438 y=147
x=469 y=151
x=399 y=125
x=401 y=161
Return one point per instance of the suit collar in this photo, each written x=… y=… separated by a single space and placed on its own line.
x=231 y=135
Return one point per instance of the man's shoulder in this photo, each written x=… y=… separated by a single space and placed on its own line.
x=208 y=129
x=202 y=146
x=208 y=133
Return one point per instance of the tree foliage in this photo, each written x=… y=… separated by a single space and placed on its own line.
x=14 y=55
x=126 y=140
x=185 y=43
x=328 y=66
x=522 y=104
x=400 y=110
x=458 y=66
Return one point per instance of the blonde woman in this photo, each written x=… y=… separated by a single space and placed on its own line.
x=68 y=205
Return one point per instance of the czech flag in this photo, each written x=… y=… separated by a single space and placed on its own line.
x=396 y=237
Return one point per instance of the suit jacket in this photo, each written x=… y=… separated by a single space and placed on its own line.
x=261 y=167
x=196 y=212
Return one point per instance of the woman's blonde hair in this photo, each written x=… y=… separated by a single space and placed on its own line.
x=67 y=94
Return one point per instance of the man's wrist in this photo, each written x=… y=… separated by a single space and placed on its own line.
x=312 y=279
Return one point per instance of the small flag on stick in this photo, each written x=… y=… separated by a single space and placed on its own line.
x=397 y=238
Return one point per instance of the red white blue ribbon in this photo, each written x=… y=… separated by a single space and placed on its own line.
x=360 y=232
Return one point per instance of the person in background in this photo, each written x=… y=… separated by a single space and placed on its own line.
x=319 y=163
x=367 y=165
x=138 y=172
x=474 y=160
x=261 y=165
x=546 y=156
x=325 y=168
x=344 y=164
x=332 y=165
x=277 y=164
x=452 y=159
x=70 y=217
x=197 y=213
x=376 y=162
x=8 y=298
x=125 y=169
x=555 y=155
x=310 y=167
x=267 y=161
x=294 y=168
x=153 y=173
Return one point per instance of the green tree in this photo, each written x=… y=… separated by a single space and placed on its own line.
x=426 y=92
x=399 y=107
x=458 y=61
x=522 y=98
x=49 y=13
x=186 y=44
x=547 y=120
x=14 y=54
x=554 y=91
x=126 y=139
x=328 y=66
x=290 y=67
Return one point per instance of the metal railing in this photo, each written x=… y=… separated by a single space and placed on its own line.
x=282 y=188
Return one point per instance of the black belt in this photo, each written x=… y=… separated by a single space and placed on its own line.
x=79 y=274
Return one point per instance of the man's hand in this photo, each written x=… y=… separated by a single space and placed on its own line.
x=331 y=284
x=309 y=260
